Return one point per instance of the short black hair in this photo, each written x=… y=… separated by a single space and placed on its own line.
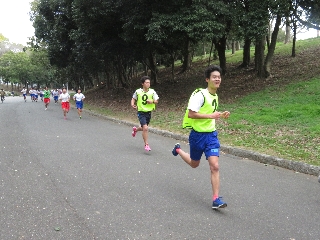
x=144 y=78
x=211 y=69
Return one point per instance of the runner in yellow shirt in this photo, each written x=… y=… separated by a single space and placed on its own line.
x=144 y=100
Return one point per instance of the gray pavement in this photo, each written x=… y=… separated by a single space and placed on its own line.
x=90 y=179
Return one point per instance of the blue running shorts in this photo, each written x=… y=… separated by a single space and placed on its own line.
x=79 y=104
x=203 y=142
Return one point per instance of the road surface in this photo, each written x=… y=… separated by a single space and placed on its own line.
x=90 y=179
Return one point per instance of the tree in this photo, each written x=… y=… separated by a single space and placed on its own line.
x=52 y=21
x=16 y=67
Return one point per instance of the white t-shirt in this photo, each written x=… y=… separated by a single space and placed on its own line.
x=64 y=97
x=24 y=91
x=78 y=97
x=196 y=101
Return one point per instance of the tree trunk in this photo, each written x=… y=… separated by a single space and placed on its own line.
x=293 y=51
x=220 y=45
x=294 y=21
x=233 y=47
x=215 y=54
x=237 y=45
x=259 y=55
x=246 y=53
x=288 y=31
x=172 y=56
x=153 y=68
x=211 y=48
x=186 y=56
x=269 y=31
x=268 y=60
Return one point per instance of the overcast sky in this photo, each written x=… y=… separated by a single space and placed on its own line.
x=15 y=22
x=17 y=27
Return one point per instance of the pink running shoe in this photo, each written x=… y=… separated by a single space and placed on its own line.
x=147 y=148
x=134 y=131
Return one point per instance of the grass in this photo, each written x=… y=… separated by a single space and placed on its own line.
x=284 y=123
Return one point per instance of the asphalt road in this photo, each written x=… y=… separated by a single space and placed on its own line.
x=90 y=179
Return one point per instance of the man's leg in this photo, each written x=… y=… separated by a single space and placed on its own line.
x=144 y=133
x=186 y=157
x=215 y=176
x=192 y=159
x=215 y=182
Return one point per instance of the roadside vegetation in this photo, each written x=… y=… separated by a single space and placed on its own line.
x=278 y=116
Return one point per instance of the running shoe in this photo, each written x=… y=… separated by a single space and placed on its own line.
x=134 y=131
x=174 y=150
x=147 y=148
x=218 y=203
x=80 y=117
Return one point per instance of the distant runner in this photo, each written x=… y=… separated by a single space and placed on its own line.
x=46 y=96
x=35 y=94
x=24 y=93
x=41 y=94
x=31 y=94
x=79 y=97
x=2 y=94
x=144 y=100
x=55 y=94
x=65 y=98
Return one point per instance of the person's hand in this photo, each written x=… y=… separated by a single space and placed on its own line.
x=225 y=114
x=134 y=106
x=149 y=101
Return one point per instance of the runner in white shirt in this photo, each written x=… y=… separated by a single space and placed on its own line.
x=55 y=94
x=79 y=97
x=40 y=92
x=31 y=94
x=35 y=92
x=65 y=98
x=24 y=93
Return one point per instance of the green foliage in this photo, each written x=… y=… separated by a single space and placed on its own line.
x=15 y=66
x=87 y=39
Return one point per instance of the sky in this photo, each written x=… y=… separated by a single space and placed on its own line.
x=17 y=27
x=15 y=22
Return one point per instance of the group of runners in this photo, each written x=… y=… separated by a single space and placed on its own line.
x=57 y=94
x=200 y=117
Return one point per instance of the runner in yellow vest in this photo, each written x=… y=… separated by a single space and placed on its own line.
x=144 y=101
x=200 y=117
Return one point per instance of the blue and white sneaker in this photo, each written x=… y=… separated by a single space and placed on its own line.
x=174 y=152
x=218 y=203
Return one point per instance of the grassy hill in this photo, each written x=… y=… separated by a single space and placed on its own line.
x=278 y=116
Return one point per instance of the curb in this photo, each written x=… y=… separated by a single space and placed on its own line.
x=262 y=158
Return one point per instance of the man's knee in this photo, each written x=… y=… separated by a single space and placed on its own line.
x=214 y=167
x=194 y=164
